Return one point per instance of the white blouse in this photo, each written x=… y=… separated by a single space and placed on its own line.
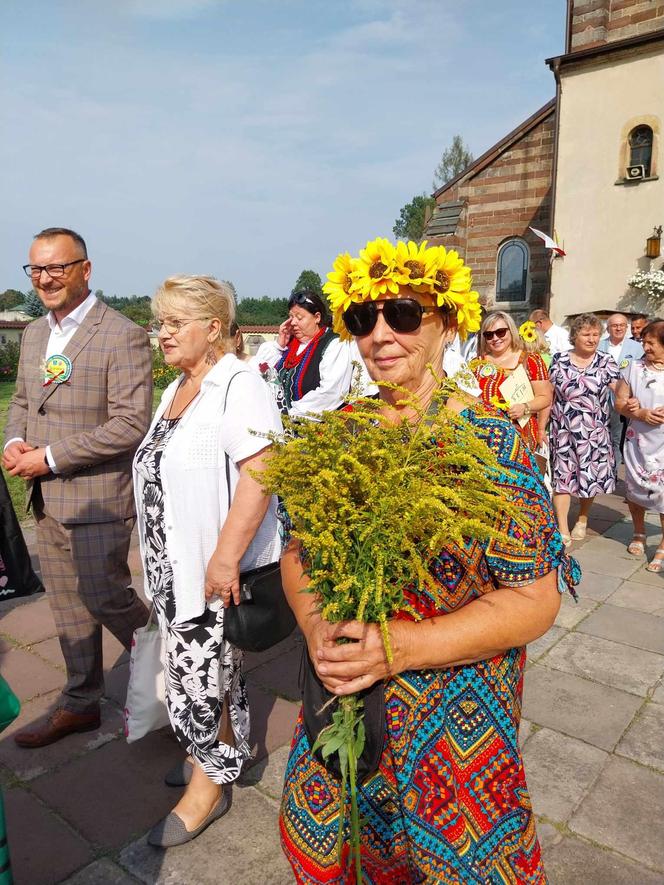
x=335 y=376
x=193 y=476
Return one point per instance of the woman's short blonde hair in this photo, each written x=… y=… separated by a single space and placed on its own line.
x=489 y=320
x=202 y=298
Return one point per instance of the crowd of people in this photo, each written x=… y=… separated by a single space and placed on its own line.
x=559 y=407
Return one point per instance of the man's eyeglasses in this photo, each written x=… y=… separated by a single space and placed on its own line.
x=497 y=333
x=400 y=314
x=55 y=271
x=172 y=325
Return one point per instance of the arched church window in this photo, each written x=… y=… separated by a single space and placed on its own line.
x=640 y=147
x=513 y=267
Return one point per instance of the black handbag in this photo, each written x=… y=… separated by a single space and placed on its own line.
x=263 y=618
x=316 y=716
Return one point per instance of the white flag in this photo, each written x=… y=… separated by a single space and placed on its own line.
x=548 y=242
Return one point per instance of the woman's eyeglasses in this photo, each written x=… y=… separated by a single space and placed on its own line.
x=400 y=314
x=172 y=325
x=497 y=333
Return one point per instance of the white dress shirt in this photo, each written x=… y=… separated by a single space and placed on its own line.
x=61 y=335
x=557 y=339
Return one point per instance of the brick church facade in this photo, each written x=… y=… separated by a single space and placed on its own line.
x=537 y=175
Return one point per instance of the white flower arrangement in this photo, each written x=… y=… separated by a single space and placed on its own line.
x=651 y=283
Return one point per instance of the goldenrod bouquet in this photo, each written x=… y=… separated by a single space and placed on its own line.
x=372 y=499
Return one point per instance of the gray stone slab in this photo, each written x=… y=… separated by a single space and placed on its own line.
x=242 y=847
x=43 y=849
x=651 y=579
x=547 y=834
x=268 y=774
x=640 y=597
x=571 y=612
x=597 y=587
x=540 y=646
x=625 y=810
x=101 y=872
x=559 y=771
x=658 y=694
x=644 y=740
x=620 y=531
x=611 y=663
x=605 y=546
x=603 y=563
x=561 y=701
x=627 y=626
x=574 y=861
x=525 y=730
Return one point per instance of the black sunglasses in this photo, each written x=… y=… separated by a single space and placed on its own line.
x=400 y=314
x=300 y=298
x=498 y=333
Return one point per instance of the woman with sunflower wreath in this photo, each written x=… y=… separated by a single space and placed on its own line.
x=308 y=369
x=447 y=802
x=500 y=351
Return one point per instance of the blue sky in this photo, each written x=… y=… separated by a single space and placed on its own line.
x=248 y=139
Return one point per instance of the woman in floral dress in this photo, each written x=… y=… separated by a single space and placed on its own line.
x=640 y=398
x=583 y=463
x=202 y=518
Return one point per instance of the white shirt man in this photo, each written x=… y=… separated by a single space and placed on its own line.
x=556 y=337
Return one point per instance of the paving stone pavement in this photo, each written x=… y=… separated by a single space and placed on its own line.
x=593 y=720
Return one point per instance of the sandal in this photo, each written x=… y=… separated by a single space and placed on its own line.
x=637 y=546
x=579 y=531
x=656 y=564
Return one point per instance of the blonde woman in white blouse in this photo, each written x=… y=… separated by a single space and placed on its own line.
x=197 y=529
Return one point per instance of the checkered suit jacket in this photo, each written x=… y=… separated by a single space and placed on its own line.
x=94 y=421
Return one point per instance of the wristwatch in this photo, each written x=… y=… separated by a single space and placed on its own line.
x=526 y=410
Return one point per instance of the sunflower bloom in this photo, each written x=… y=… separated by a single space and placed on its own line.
x=452 y=276
x=339 y=282
x=374 y=270
x=528 y=332
x=416 y=265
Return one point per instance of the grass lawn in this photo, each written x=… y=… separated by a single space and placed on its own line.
x=16 y=484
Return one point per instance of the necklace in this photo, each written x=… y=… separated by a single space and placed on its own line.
x=169 y=411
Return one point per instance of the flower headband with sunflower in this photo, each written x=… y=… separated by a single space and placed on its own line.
x=381 y=268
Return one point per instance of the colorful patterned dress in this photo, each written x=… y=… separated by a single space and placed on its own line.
x=490 y=377
x=449 y=803
x=582 y=458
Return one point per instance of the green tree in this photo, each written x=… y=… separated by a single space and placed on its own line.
x=262 y=311
x=454 y=160
x=11 y=298
x=32 y=305
x=410 y=223
x=232 y=288
x=308 y=281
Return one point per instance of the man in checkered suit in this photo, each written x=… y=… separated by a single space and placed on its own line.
x=82 y=405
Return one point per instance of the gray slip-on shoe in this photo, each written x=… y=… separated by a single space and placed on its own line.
x=171 y=831
x=180 y=774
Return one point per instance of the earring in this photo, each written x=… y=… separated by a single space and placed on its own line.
x=210 y=357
